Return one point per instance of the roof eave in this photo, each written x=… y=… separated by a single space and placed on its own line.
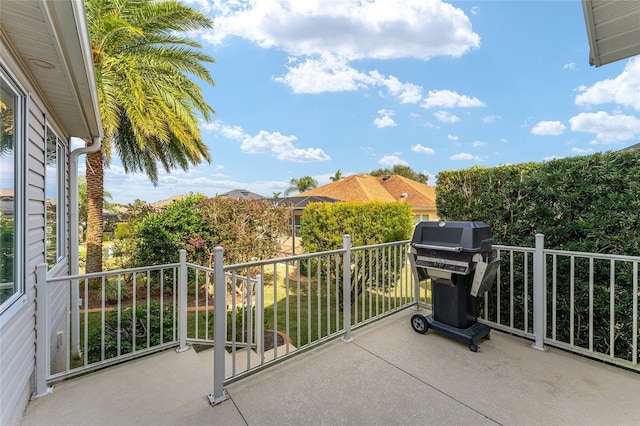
x=69 y=26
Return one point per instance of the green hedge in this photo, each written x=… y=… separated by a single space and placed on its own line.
x=588 y=204
x=323 y=225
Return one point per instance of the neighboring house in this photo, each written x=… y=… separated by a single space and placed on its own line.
x=364 y=187
x=242 y=194
x=47 y=96
x=296 y=206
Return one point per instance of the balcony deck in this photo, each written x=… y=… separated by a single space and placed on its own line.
x=388 y=375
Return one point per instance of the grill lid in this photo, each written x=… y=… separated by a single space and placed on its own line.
x=469 y=237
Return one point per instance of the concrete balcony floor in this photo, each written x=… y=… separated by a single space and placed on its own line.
x=388 y=375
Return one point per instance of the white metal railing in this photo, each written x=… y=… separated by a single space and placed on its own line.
x=111 y=327
x=304 y=300
x=582 y=302
x=297 y=302
x=585 y=303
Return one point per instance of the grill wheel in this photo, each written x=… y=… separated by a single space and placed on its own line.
x=419 y=324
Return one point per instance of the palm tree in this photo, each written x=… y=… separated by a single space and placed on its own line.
x=337 y=176
x=305 y=183
x=148 y=103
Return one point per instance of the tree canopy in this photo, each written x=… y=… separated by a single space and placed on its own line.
x=305 y=183
x=401 y=170
x=150 y=104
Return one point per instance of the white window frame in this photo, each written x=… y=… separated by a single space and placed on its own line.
x=61 y=197
x=19 y=298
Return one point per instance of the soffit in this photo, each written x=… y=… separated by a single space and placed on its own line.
x=613 y=29
x=51 y=41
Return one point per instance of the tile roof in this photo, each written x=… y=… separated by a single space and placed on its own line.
x=364 y=187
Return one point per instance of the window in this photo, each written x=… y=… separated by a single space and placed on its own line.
x=420 y=218
x=55 y=199
x=12 y=103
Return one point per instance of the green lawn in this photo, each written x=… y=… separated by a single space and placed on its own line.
x=300 y=308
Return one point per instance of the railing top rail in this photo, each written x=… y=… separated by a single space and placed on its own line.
x=514 y=248
x=593 y=255
x=114 y=272
x=393 y=243
x=282 y=259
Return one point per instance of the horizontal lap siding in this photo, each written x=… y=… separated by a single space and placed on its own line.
x=18 y=334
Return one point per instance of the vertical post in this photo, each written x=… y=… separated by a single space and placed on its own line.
x=539 y=294
x=42 y=333
x=219 y=327
x=182 y=302
x=259 y=316
x=346 y=288
x=75 y=319
x=414 y=279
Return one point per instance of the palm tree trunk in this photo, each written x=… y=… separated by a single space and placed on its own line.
x=95 y=198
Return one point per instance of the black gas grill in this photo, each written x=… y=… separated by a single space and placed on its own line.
x=459 y=259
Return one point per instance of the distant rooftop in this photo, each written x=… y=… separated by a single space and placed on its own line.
x=242 y=194
x=364 y=187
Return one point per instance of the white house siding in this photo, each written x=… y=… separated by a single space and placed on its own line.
x=17 y=335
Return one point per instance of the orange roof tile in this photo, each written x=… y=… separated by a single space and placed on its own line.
x=364 y=187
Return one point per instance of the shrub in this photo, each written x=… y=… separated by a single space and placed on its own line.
x=323 y=225
x=156 y=332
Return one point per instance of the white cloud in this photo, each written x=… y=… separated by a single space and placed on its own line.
x=623 y=90
x=352 y=29
x=490 y=118
x=581 y=150
x=329 y=73
x=407 y=93
x=453 y=137
x=478 y=144
x=385 y=119
x=264 y=142
x=392 y=160
x=281 y=147
x=446 y=117
x=324 y=74
x=569 y=66
x=324 y=37
x=607 y=128
x=549 y=128
x=461 y=156
x=422 y=149
x=449 y=99
x=464 y=156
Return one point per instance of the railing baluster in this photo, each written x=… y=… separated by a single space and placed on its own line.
x=346 y=288
x=590 y=304
x=572 y=286
x=634 y=326
x=554 y=301
x=182 y=306
x=612 y=307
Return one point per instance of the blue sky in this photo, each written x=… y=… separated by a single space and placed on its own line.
x=306 y=88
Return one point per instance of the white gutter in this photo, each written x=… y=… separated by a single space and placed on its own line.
x=74 y=246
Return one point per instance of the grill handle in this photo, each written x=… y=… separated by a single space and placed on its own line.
x=432 y=247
